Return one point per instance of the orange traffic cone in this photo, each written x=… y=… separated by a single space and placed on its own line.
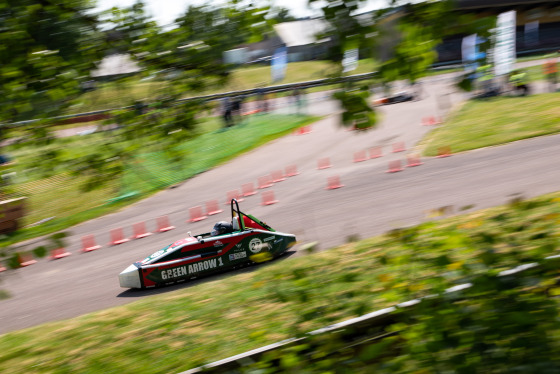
x=398 y=147
x=117 y=237
x=268 y=198
x=277 y=176
x=291 y=171
x=375 y=152
x=88 y=243
x=140 y=231
x=265 y=182
x=323 y=163
x=394 y=166
x=234 y=194
x=212 y=208
x=360 y=156
x=163 y=224
x=196 y=214
x=413 y=160
x=333 y=183
x=248 y=189
x=59 y=253
x=26 y=259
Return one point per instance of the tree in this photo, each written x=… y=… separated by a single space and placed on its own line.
x=344 y=28
x=189 y=57
x=281 y=14
x=346 y=31
x=47 y=48
x=405 y=33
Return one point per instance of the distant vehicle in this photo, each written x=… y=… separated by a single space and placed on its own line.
x=250 y=241
x=399 y=97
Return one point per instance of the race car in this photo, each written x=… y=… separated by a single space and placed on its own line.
x=248 y=240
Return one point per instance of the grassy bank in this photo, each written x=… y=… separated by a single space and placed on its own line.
x=494 y=121
x=228 y=314
x=60 y=199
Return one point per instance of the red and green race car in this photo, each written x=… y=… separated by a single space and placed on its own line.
x=246 y=240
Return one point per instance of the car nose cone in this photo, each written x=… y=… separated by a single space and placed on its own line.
x=130 y=278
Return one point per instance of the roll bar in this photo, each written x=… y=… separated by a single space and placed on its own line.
x=236 y=213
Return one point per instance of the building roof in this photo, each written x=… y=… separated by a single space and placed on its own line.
x=472 y=4
x=301 y=32
x=115 y=65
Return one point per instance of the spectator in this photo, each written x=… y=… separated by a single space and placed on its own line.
x=485 y=79
x=262 y=100
x=551 y=73
x=297 y=99
x=227 y=112
x=519 y=82
x=139 y=107
x=236 y=107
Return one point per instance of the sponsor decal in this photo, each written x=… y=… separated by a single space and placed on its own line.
x=197 y=267
x=153 y=256
x=174 y=273
x=269 y=238
x=237 y=256
x=218 y=243
x=238 y=247
x=181 y=242
x=255 y=245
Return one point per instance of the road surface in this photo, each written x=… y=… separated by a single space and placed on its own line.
x=371 y=201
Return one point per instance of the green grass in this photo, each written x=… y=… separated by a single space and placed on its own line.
x=495 y=121
x=238 y=311
x=60 y=196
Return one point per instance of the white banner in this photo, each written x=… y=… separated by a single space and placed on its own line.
x=468 y=49
x=350 y=60
x=278 y=64
x=504 y=50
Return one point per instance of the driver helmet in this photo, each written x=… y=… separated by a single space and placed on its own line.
x=221 y=228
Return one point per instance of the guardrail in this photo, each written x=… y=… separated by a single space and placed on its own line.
x=353 y=327
x=217 y=96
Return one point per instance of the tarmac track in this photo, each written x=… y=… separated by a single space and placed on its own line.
x=371 y=202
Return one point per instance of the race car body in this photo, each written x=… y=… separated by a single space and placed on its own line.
x=250 y=241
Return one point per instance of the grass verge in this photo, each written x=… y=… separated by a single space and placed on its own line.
x=494 y=121
x=238 y=311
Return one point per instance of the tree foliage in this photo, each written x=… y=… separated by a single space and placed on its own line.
x=188 y=58
x=500 y=321
x=344 y=29
x=46 y=49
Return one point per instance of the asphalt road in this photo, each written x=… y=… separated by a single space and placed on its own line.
x=371 y=202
